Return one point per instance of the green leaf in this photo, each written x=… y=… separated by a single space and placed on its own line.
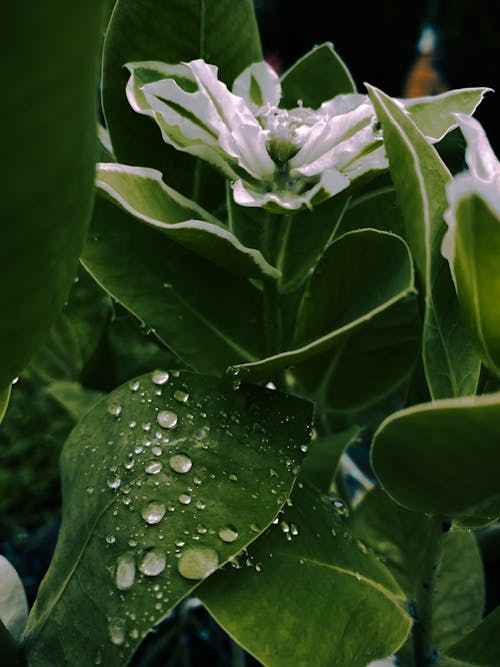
x=472 y=246
x=183 y=298
x=481 y=647
x=420 y=178
x=13 y=603
x=77 y=400
x=49 y=107
x=401 y=538
x=76 y=333
x=435 y=115
x=223 y=33
x=376 y=209
x=141 y=192
x=443 y=457
x=342 y=297
x=318 y=76
x=320 y=464
x=4 y=401
x=163 y=482
x=369 y=365
x=305 y=574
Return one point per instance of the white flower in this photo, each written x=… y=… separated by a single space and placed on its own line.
x=279 y=159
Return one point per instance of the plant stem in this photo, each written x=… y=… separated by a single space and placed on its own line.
x=271 y=305
x=422 y=629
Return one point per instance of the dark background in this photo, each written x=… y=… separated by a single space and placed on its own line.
x=378 y=42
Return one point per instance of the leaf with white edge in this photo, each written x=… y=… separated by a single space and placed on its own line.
x=318 y=76
x=13 y=603
x=224 y=32
x=369 y=365
x=309 y=556
x=443 y=457
x=435 y=115
x=342 y=297
x=180 y=296
x=163 y=482
x=420 y=177
x=480 y=648
x=141 y=192
x=479 y=154
x=4 y=401
x=321 y=463
x=376 y=209
x=401 y=539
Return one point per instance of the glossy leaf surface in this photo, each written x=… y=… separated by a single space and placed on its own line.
x=50 y=148
x=443 y=457
x=420 y=178
x=180 y=296
x=163 y=482
x=480 y=648
x=304 y=574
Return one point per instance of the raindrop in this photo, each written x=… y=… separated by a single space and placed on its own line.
x=90 y=490
x=153 y=467
x=167 y=419
x=153 y=562
x=181 y=396
x=157 y=451
x=146 y=426
x=198 y=562
x=134 y=385
x=198 y=481
x=116 y=630
x=254 y=528
x=293 y=529
x=285 y=527
x=114 y=482
x=200 y=505
x=110 y=539
x=233 y=477
x=228 y=533
x=160 y=377
x=340 y=507
x=153 y=512
x=304 y=449
x=125 y=571
x=115 y=409
x=180 y=463
x=184 y=498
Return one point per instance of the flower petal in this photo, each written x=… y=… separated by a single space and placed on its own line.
x=479 y=154
x=258 y=85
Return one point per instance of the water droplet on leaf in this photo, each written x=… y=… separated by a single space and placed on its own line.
x=153 y=512
x=125 y=571
x=198 y=562
x=153 y=562
x=228 y=533
x=153 y=467
x=167 y=419
x=180 y=463
x=160 y=377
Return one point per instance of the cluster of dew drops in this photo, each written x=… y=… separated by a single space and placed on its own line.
x=195 y=562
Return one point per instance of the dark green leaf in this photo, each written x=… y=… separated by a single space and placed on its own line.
x=49 y=144
x=164 y=481
x=481 y=647
x=377 y=209
x=443 y=457
x=420 y=178
x=73 y=397
x=401 y=538
x=183 y=298
x=223 y=33
x=4 y=401
x=316 y=77
x=309 y=594
x=320 y=464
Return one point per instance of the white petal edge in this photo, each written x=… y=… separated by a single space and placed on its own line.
x=267 y=80
x=479 y=154
x=13 y=602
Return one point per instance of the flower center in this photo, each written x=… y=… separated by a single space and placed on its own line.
x=282 y=141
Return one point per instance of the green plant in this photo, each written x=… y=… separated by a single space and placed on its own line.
x=318 y=283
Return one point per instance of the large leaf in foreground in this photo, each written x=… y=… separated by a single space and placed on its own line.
x=223 y=33
x=420 y=178
x=401 y=538
x=48 y=148
x=305 y=575
x=443 y=457
x=141 y=192
x=480 y=648
x=163 y=482
x=185 y=299
x=360 y=275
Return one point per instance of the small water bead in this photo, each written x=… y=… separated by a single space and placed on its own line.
x=201 y=529
x=197 y=563
x=153 y=512
x=198 y=481
x=153 y=562
x=110 y=539
x=285 y=527
x=157 y=451
x=114 y=482
x=293 y=529
x=200 y=505
x=233 y=477
x=116 y=630
x=153 y=467
x=228 y=533
x=180 y=463
x=139 y=449
x=304 y=449
x=129 y=465
x=340 y=507
x=115 y=409
x=181 y=396
x=132 y=424
x=125 y=571
x=134 y=385
x=132 y=542
x=184 y=499
x=146 y=426
x=167 y=419
x=90 y=490
x=160 y=377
